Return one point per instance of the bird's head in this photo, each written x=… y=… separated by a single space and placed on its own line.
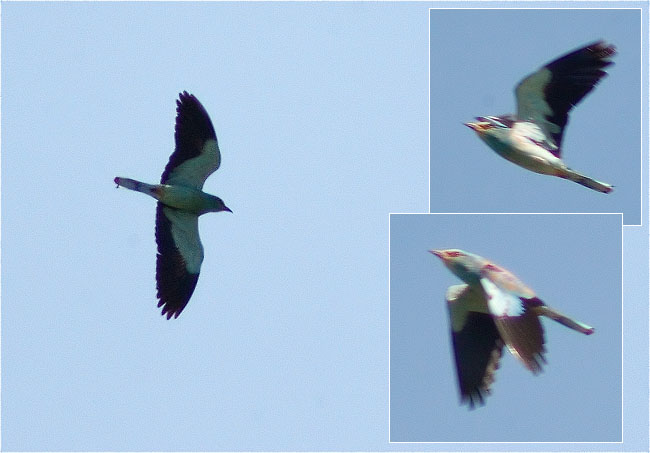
x=217 y=205
x=486 y=126
x=464 y=265
x=480 y=127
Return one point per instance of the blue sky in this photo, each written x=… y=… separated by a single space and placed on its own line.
x=477 y=58
x=321 y=110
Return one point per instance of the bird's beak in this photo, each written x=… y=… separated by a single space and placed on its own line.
x=479 y=127
x=438 y=253
x=226 y=208
x=473 y=126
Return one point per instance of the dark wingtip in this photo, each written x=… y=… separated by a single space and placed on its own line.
x=473 y=400
x=604 y=49
x=169 y=313
x=182 y=97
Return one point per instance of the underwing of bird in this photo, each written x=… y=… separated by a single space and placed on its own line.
x=181 y=201
x=490 y=310
x=532 y=138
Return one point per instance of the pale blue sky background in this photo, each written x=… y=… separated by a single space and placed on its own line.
x=577 y=272
x=477 y=58
x=321 y=111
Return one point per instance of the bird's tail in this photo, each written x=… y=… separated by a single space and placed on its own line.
x=587 y=181
x=138 y=186
x=559 y=317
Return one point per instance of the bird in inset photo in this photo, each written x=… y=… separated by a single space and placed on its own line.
x=532 y=138
x=180 y=203
x=491 y=309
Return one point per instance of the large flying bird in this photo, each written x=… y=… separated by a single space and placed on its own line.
x=532 y=138
x=493 y=308
x=180 y=203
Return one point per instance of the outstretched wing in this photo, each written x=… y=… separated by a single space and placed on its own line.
x=546 y=96
x=197 y=153
x=477 y=343
x=517 y=323
x=179 y=258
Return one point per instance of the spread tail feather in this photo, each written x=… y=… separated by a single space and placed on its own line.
x=559 y=317
x=138 y=186
x=587 y=181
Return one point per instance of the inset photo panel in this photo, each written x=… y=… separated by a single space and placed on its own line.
x=506 y=328
x=537 y=110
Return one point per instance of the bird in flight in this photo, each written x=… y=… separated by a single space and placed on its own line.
x=532 y=138
x=491 y=309
x=180 y=203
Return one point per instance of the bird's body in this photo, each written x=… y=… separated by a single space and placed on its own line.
x=491 y=309
x=532 y=138
x=514 y=147
x=180 y=197
x=180 y=203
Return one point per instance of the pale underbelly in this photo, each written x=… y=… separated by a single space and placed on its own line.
x=536 y=163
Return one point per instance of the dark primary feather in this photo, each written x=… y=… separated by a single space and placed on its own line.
x=574 y=75
x=477 y=350
x=193 y=128
x=173 y=283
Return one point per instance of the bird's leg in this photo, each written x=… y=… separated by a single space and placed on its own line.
x=559 y=317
